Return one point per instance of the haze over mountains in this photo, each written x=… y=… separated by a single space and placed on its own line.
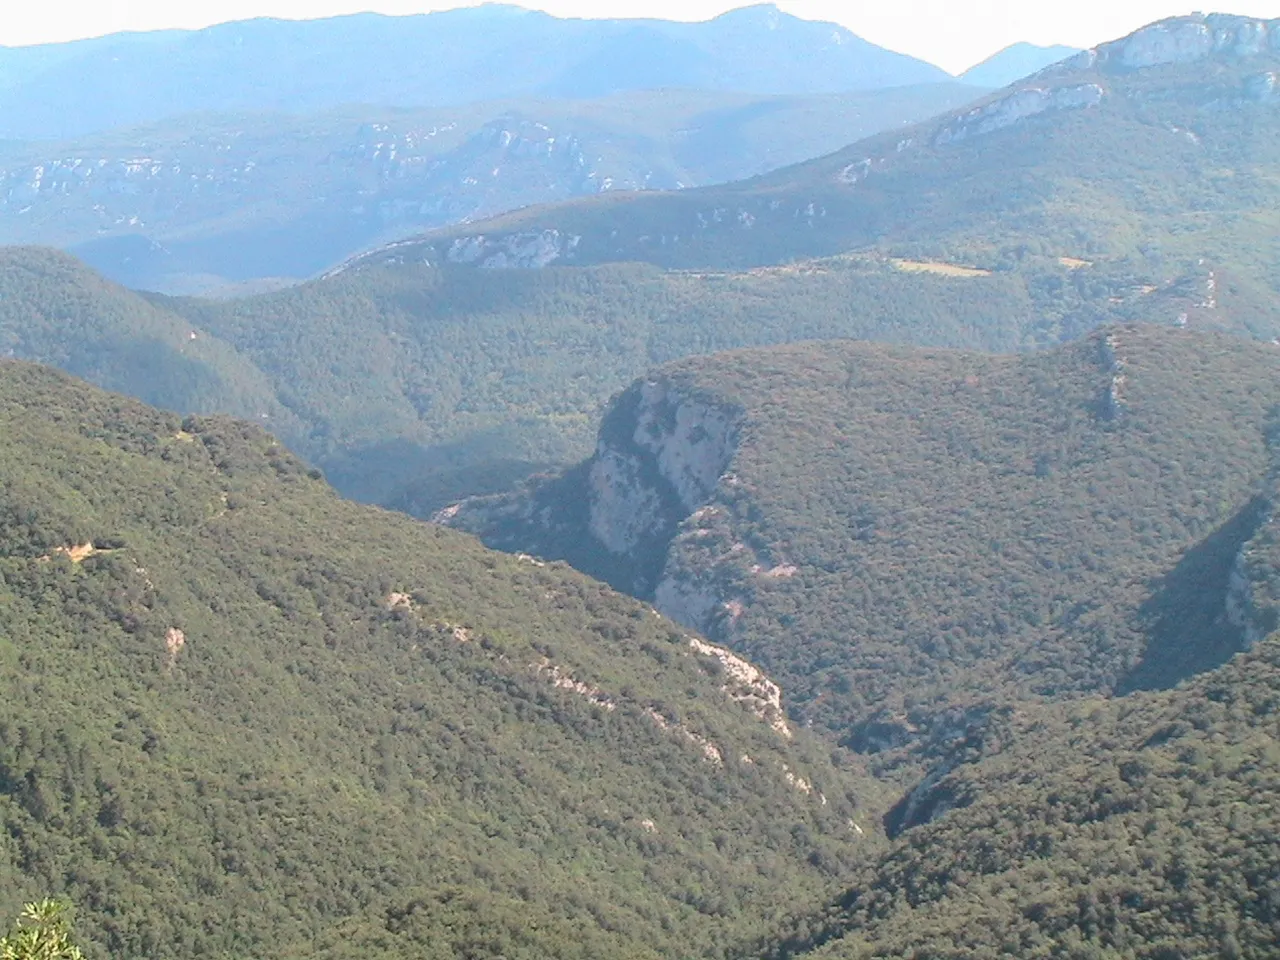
x=1013 y=63
x=487 y=53
x=215 y=201
x=267 y=151
x=1097 y=156
x=921 y=497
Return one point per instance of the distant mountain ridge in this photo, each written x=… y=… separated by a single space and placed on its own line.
x=1015 y=62
x=1102 y=155
x=205 y=201
x=438 y=59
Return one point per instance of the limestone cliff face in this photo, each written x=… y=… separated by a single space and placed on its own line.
x=661 y=453
x=1017 y=107
x=660 y=456
x=515 y=251
x=1178 y=40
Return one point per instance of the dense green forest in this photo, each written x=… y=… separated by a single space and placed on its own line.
x=905 y=536
x=239 y=715
x=415 y=386
x=968 y=436
x=1144 y=827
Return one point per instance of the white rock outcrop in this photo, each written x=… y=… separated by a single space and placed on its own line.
x=517 y=251
x=676 y=441
x=747 y=684
x=1161 y=43
x=623 y=508
x=1017 y=107
x=1116 y=365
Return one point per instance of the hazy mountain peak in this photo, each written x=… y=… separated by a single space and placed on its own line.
x=442 y=59
x=1013 y=63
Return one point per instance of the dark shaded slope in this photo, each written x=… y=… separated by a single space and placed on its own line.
x=1143 y=827
x=238 y=713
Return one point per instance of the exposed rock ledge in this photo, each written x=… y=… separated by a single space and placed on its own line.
x=1179 y=40
x=524 y=251
x=1019 y=106
x=660 y=455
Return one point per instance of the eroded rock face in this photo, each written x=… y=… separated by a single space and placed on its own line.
x=661 y=452
x=1191 y=39
x=1180 y=42
x=1019 y=106
x=526 y=251
x=624 y=510
x=663 y=446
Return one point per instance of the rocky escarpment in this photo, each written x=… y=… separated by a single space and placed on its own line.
x=519 y=251
x=662 y=451
x=1181 y=40
x=1017 y=107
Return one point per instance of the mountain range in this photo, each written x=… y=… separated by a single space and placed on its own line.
x=487 y=53
x=241 y=714
x=414 y=378
x=233 y=201
x=887 y=562
x=1097 y=157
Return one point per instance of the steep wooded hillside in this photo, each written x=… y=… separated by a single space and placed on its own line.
x=909 y=538
x=421 y=384
x=415 y=385
x=1144 y=827
x=240 y=716
x=56 y=311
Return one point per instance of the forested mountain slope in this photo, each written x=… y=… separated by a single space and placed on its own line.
x=1163 y=146
x=54 y=310
x=240 y=716
x=491 y=52
x=1144 y=827
x=911 y=538
x=203 y=201
x=416 y=383
x=408 y=373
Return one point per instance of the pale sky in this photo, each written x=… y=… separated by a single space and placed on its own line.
x=954 y=34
